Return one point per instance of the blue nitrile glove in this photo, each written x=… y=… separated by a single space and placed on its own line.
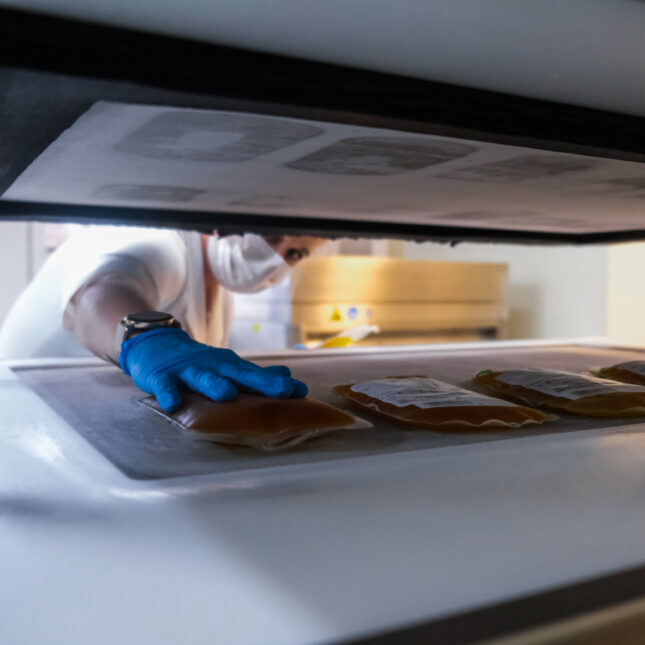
x=161 y=361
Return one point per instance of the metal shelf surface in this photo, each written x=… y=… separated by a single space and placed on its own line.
x=323 y=544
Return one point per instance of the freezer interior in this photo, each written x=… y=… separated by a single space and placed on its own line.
x=121 y=529
x=126 y=124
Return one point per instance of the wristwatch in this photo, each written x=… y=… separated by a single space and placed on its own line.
x=134 y=324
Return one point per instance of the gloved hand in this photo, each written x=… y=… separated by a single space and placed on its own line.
x=161 y=361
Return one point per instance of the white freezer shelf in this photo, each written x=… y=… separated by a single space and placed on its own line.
x=310 y=552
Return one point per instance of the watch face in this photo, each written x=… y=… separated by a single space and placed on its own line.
x=140 y=322
x=149 y=317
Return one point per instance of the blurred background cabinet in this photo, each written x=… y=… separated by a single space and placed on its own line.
x=411 y=301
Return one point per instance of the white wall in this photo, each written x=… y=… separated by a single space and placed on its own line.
x=21 y=253
x=15 y=249
x=554 y=292
x=626 y=293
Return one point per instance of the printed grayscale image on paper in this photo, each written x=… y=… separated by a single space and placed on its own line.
x=218 y=161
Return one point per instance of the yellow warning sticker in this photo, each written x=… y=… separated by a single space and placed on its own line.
x=336 y=315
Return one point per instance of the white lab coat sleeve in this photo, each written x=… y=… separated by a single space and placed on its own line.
x=245 y=263
x=153 y=262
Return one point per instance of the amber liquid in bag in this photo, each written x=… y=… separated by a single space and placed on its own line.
x=576 y=393
x=629 y=372
x=423 y=402
x=258 y=421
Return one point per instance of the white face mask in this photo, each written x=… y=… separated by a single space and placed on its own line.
x=245 y=263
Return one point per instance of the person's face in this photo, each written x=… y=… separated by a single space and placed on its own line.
x=294 y=248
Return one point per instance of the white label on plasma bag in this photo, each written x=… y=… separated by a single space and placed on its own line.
x=564 y=385
x=636 y=367
x=424 y=393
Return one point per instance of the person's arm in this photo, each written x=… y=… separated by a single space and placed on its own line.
x=99 y=308
x=163 y=361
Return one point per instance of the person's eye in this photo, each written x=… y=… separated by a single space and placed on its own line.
x=295 y=255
